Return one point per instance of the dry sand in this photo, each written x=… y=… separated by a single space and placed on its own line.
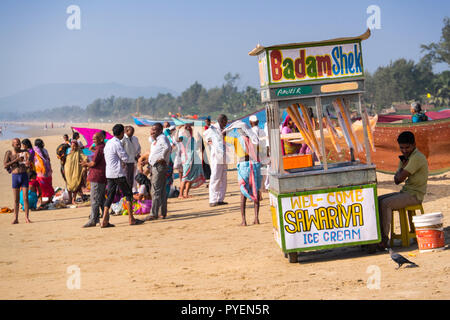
x=198 y=252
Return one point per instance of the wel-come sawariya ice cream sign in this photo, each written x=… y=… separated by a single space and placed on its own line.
x=328 y=218
x=319 y=62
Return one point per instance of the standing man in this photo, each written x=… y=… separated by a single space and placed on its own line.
x=412 y=167
x=16 y=162
x=159 y=158
x=133 y=149
x=115 y=158
x=218 y=162
x=246 y=147
x=97 y=179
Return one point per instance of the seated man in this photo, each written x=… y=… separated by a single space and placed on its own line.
x=413 y=168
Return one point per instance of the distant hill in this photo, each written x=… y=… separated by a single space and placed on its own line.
x=80 y=94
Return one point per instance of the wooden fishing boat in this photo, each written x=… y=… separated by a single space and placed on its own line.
x=182 y=121
x=432 y=139
x=143 y=122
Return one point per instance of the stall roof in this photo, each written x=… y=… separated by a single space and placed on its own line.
x=260 y=48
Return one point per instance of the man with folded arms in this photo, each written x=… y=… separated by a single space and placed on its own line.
x=158 y=159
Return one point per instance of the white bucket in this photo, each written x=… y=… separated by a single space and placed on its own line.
x=429 y=231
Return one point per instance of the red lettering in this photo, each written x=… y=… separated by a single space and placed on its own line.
x=299 y=65
x=275 y=64
x=323 y=65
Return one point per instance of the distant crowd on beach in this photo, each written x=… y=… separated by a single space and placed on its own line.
x=124 y=180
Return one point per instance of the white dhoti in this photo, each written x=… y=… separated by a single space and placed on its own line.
x=266 y=181
x=217 y=182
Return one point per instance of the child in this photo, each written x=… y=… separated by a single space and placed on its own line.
x=144 y=187
x=144 y=201
x=34 y=192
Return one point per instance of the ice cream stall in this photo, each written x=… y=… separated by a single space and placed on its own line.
x=327 y=197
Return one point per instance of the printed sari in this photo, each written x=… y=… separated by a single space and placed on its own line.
x=43 y=172
x=192 y=165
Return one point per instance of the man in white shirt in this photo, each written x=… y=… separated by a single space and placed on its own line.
x=218 y=162
x=115 y=158
x=158 y=159
x=132 y=147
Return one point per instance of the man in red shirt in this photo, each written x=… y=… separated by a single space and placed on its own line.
x=97 y=179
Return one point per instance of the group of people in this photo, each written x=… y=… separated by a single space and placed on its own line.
x=118 y=165
x=31 y=175
x=181 y=149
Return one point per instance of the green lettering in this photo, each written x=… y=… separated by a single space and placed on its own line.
x=311 y=68
x=288 y=71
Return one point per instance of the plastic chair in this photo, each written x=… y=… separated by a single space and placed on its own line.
x=406 y=232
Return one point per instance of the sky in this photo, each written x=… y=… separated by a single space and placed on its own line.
x=175 y=43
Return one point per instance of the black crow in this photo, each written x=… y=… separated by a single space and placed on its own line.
x=400 y=260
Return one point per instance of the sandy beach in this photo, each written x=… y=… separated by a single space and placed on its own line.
x=198 y=252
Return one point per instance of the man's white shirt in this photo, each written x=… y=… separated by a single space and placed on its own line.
x=115 y=156
x=160 y=149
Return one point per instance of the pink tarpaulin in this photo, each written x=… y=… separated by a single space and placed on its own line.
x=392 y=117
x=88 y=134
x=436 y=115
x=432 y=115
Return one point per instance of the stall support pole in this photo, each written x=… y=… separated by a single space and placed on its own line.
x=322 y=141
x=366 y=137
x=273 y=128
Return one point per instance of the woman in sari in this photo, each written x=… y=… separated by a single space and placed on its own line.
x=74 y=171
x=289 y=147
x=43 y=171
x=193 y=176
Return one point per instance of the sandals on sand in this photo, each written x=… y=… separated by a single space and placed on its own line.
x=109 y=225
x=137 y=222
